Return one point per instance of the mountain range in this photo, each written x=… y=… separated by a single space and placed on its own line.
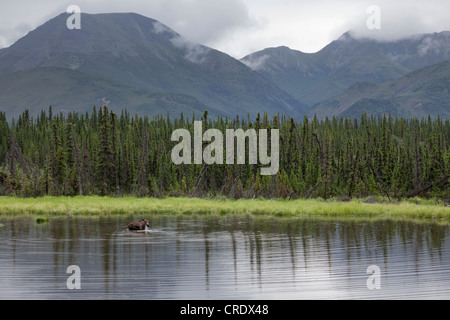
x=340 y=78
x=418 y=94
x=130 y=61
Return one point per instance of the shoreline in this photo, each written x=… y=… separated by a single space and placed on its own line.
x=97 y=206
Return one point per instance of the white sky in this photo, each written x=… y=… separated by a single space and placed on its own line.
x=240 y=27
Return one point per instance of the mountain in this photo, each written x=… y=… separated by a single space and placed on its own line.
x=313 y=78
x=420 y=93
x=130 y=61
x=133 y=62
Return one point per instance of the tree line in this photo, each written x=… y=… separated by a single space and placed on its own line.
x=106 y=153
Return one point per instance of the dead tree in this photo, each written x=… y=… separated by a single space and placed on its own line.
x=13 y=155
x=428 y=187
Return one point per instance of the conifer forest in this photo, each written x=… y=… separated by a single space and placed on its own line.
x=108 y=154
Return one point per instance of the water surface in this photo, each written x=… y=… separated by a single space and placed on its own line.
x=223 y=257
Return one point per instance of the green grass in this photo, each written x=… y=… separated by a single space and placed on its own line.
x=41 y=219
x=48 y=206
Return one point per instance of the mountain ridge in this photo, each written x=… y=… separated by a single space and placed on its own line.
x=403 y=97
x=317 y=77
x=131 y=59
x=138 y=63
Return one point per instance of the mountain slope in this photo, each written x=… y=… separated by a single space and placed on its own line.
x=134 y=62
x=313 y=78
x=420 y=93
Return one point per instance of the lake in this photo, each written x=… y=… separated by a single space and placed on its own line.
x=219 y=257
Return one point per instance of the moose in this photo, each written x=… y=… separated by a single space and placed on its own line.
x=141 y=225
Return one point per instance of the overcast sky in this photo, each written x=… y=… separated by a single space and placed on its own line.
x=240 y=27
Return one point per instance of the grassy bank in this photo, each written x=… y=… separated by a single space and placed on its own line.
x=130 y=205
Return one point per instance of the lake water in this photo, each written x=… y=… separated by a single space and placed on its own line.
x=224 y=257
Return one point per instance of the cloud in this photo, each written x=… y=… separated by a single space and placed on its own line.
x=193 y=52
x=10 y=34
x=429 y=45
x=159 y=28
x=255 y=63
x=201 y=21
x=17 y=18
x=240 y=27
x=308 y=26
x=402 y=19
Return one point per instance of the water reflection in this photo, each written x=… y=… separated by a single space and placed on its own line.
x=223 y=257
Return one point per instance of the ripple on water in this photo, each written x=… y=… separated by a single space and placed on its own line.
x=224 y=258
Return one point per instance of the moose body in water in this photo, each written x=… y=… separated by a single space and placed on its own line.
x=141 y=225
